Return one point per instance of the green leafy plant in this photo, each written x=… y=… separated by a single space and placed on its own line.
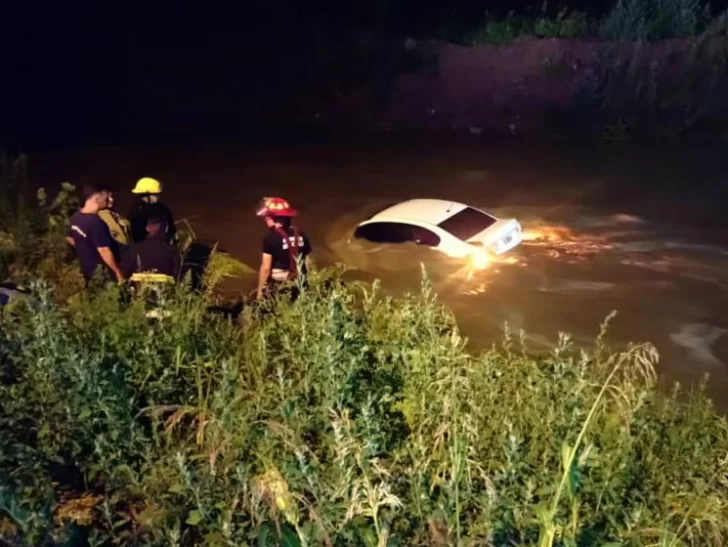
x=346 y=417
x=32 y=232
x=563 y=24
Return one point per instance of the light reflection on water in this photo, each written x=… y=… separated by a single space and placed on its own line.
x=567 y=275
x=586 y=252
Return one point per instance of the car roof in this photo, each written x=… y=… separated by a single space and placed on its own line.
x=427 y=211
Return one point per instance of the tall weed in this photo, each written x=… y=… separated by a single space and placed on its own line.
x=344 y=418
x=33 y=231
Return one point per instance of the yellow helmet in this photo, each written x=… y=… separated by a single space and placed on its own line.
x=147 y=185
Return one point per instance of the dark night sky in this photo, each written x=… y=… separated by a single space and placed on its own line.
x=73 y=69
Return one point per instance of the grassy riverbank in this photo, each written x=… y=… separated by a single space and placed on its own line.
x=347 y=418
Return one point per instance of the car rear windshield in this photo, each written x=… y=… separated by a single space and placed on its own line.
x=467 y=223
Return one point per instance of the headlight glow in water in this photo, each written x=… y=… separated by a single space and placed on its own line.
x=480 y=259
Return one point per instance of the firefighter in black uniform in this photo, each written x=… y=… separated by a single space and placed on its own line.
x=148 y=203
x=285 y=247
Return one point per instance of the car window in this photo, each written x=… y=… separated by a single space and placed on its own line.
x=385 y=232
x=467 y=223
x=423 y=236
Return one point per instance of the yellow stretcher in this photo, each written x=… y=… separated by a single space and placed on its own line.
x=151 y=278
x=152 y=287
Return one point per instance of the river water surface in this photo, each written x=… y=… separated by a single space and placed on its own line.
x=636 y=229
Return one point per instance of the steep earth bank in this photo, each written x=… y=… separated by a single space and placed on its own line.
x=556 y=87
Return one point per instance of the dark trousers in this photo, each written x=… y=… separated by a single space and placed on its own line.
x=285 y=289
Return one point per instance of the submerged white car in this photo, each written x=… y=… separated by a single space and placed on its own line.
x=452 y=228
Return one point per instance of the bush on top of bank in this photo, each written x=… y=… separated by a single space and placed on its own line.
x=628 y=20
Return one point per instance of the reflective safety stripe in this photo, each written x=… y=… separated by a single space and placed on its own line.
x=158 y=314
x=151 y=278
x=293 y=250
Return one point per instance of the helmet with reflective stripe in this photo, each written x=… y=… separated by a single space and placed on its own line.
x=147 y=185
x=275 y=207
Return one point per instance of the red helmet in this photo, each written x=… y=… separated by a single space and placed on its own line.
x=275 y=207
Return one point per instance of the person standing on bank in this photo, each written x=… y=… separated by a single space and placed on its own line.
x=90 y=236
x=149 y=190
x=285 y=247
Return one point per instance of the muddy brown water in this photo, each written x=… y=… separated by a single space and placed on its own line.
x=636 y=229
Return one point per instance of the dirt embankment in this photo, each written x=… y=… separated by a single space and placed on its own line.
x=561 y=86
